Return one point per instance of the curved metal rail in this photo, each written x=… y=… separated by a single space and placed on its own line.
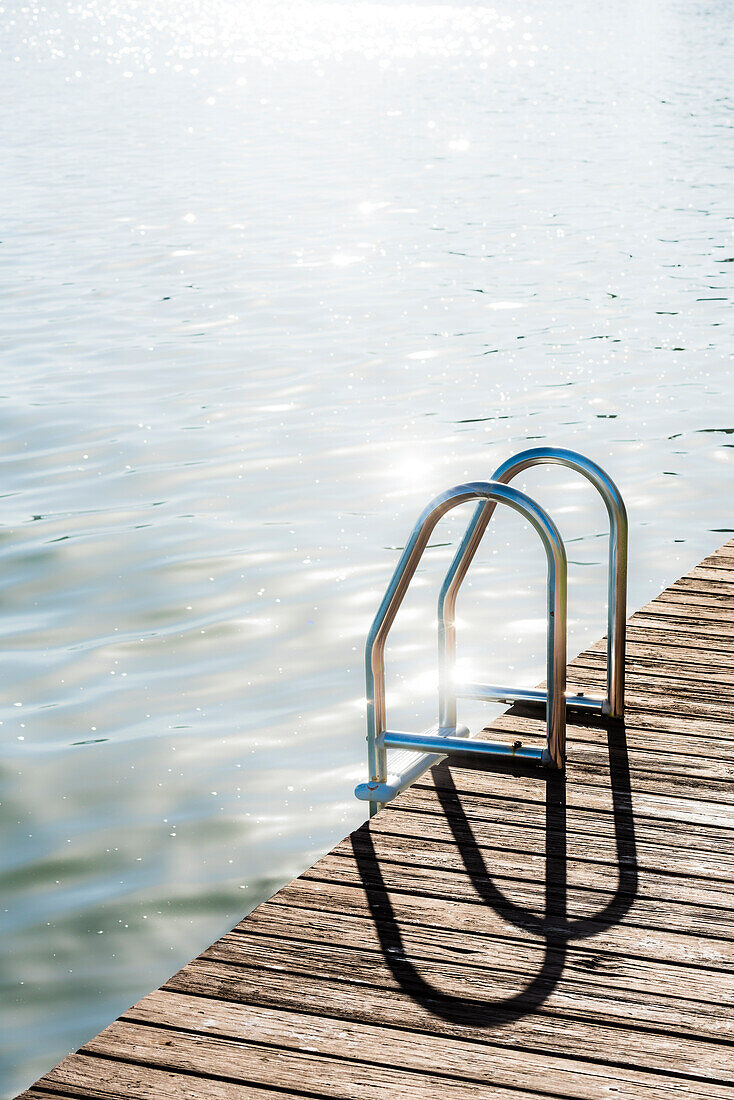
x=445 y=739
x=613 y=703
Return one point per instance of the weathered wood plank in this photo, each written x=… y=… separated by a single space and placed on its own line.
x=485 y=1062
x=720 y=573
x=668 y=630
x=664 y=619
x=646 y=731
x=674 y=605
x=658 y=676
x=719 y=582
x=657 y=801
x=409 y=912
x=444 y=859
x=673 y=977
x=588 y=839
x=279 y=1067
x=670 y=646
x=582 y=991
x=640 y=668
x=41 y=1094
x=653 y=1048
x=269 y=1065
x=88 y=1078
x=584 y=903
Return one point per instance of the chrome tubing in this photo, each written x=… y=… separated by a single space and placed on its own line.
x=613 y=704
x=488 y=492
x=399 y=780
x=510 y=696
x=422 y=743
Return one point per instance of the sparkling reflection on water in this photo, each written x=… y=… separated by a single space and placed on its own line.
x=276 y=273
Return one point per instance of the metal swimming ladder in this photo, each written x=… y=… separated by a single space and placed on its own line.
x=447 y=737
x=441 y=740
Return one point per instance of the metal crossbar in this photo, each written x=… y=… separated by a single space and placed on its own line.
x=421 y=751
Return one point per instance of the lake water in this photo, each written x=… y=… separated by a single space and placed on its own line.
x=274 y=274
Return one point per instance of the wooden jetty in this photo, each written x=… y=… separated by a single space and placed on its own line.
x=491 y=934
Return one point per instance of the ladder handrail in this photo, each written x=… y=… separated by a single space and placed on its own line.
x=491 y=493
x=613 y=705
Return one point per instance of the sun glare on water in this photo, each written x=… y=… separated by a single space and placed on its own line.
x=145 y=35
